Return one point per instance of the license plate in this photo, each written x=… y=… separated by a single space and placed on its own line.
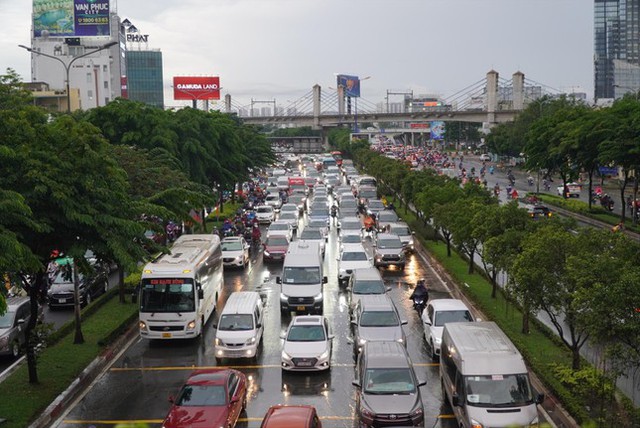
x=304 y=364
x=166 y=334
x=62 y=300
x=300 y=308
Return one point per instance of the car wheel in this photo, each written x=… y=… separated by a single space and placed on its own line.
x=218 y=361
x=15 y=349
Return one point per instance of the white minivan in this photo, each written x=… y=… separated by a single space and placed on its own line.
x=302 y=279
x=239 y=329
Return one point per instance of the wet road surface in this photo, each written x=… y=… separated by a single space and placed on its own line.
x=137 y=386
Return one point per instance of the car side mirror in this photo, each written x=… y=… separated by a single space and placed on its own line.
x=278 y=280
x=404 y=322
x=214 y=325
x=539 y=398
x=21 y=321
x=282 y=335
x=171 y=399
x=387 y=288
x=421 y=383
x=258 y=325
x=413 y=233
x=427 y=322
x=325 y=280
x=355 y=383
x=200 y=294
x=455 y=399
x=233 y=400
x=478 y=319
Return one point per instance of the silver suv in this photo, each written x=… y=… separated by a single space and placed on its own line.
x=13 y=325
x=375 y=318
x=387 y=390
x=389 y=250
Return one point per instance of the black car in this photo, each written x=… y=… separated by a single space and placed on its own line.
x=539 y=211
x=92 y=285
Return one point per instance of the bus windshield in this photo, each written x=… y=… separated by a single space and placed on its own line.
x=167 y=295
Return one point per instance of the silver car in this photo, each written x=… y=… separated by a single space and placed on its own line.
x=375 y=318
x=307 y=344
x=13 y=325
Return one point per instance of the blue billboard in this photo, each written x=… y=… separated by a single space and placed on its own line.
x=437 y=130
x=71 y=18
x=350 y=84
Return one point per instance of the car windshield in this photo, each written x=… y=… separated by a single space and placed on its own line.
x=202 y=395
x=288 y=216
x=291 y=208
x=279 y=226
x=351 y=239
x=367 y=194
x=317 y=223
x=6 y=320
x=236 y=322
x=379 y=319
x=232 y=246
x=311 y=234
x=353 y=256
x=301 y=275
x=389 y=381
x=306 y=333
x=498 y=390
x=65 y=275
x=389 y=243
x=376 y=205
x=368 y=287
x=268 y=210
x=277 y=241
x=443 y=317
x=167 y=295
x=350 y=225
x=400 y=231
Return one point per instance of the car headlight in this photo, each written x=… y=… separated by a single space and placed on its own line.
x=266 y=253
x=324 y=355
x=250 y=341
x=317 y=297
x=4 y=341
x=416 y=412
x=367 y=413
x=401 y=340
x=142 y=325
x=191 y=325
x=534 y=423
x=475 y=424
x=283 y=297
x=286 y=356
x=217 y=342
x=361 y=342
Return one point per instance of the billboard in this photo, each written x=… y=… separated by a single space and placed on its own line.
x=437 y=130
x=351 y=85
x=196 y=88
x=71 y=18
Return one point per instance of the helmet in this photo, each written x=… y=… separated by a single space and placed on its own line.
x=421 y=282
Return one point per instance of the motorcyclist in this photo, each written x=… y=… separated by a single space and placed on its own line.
x=256 y=235
x=420 y=292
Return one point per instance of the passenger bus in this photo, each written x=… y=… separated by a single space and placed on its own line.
x=179 y=291
x=298 y=185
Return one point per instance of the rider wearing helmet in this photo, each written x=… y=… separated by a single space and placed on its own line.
x=420 y=291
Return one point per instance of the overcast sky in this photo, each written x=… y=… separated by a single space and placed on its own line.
x=267 y=49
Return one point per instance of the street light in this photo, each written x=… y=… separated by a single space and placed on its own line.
x=67 y=66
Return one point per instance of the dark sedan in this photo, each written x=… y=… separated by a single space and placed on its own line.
x=92 y=285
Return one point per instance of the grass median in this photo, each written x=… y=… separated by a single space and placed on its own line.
x=59 y=364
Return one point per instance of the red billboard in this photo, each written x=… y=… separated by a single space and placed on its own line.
x=196 y=88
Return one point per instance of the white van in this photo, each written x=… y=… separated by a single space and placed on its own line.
x=302 y=279
x=239 y=329
x=484 y=377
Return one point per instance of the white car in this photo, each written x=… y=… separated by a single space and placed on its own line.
x=291 y=218
x=313 y=234
x=439 y=312
x=280 y=228
x=235 y=251
x=265 y=214
x=307 y=344
x=274 y=200
x=352 y=256
x=485 y=157
x=290 y=208
x=319 y=224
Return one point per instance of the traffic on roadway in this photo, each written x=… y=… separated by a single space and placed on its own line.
x=359 y=358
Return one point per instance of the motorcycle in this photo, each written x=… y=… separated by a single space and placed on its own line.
x=419 y=303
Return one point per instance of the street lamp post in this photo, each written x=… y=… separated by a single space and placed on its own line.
x=67 y=66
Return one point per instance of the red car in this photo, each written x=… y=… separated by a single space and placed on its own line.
x=275 y=247
x=209 y=398
x=301 y=416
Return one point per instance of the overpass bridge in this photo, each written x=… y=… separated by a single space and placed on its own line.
x=491 y=100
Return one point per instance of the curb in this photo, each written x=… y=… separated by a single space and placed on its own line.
x=84 y=379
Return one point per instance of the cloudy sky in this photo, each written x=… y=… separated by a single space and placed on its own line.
x=265 y=49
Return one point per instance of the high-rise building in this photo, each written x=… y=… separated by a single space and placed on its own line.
x=616 y=47
x=61 y=53
x=144 y=77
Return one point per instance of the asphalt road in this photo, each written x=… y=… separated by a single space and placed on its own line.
x=137 y=386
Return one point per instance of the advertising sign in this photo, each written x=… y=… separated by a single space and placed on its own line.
x=425 y=126
x=71 y=18
x=196 y=88
x=351 y=85
x=437 y=130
